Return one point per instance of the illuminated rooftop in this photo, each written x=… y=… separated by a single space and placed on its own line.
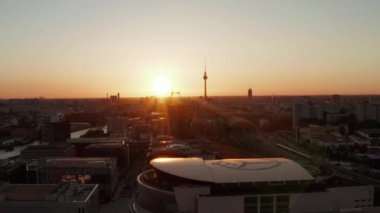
x=245 y=170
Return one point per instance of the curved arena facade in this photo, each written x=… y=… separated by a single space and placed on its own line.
x=259 y=185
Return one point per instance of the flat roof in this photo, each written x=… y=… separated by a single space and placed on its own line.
x=233 y=170
x=95 y=140
x=41 y=192
x=48 y=147
x=87 y=162
x=105 y=145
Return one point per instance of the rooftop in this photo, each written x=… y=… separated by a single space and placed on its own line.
x=104 y=145
x=233 y=170
x=95 y=140
x=48 y=147
x=79 y=162
x=42 y=192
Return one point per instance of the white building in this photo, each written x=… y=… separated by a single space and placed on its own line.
x=242 y=185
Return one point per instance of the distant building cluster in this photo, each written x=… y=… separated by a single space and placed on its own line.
x=250 y=153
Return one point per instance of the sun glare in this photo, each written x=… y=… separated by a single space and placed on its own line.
x=161 y=86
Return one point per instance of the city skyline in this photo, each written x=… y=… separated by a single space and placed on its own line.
x=85 y=49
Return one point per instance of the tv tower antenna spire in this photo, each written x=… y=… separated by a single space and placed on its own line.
x=205 y=80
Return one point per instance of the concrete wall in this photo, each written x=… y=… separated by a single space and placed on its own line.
x=44 y=207
x=334 y=199
x=149 y=198
x=221 y=204
x=186 y=197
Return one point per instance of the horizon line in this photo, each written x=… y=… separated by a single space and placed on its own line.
x=191 y=96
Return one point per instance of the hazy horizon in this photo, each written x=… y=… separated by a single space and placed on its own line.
x=88 y=48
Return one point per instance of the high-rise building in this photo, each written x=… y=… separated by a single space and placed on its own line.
x=117 y=126
x=180 y=116
x=249 y=93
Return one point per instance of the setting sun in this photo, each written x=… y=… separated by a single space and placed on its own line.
x=161 y=86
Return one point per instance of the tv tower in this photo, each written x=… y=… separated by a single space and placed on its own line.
x=205 y=79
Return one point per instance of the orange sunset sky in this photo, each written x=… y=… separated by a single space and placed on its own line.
x=88 y=48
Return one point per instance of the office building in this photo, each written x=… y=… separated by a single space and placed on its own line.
x=303 y=111
x=117 y=126
x=81 y=143
x=102 y=171
x=336 y=99
x=111 y=150
x=49 y=198
x=56 y=132
x=365 y=111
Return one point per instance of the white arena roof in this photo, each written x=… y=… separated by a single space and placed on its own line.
x=233 y=170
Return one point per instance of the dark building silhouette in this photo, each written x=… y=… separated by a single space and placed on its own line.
x=56 y=132
x=335 y=98
x=180 y=116
x=249 y=93
x=113 y=150
x=115 y=98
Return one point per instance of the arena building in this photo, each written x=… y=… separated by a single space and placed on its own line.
x=259 y=185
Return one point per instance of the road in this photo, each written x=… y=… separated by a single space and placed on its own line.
x=357 y=177
x=120 y=202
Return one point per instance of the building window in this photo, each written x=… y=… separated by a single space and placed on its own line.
x=282 y=204
x=266 y=204
x=250 y=205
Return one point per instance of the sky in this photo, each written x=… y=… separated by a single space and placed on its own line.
x=88 y=48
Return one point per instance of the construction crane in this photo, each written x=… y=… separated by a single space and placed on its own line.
x=176 y=93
